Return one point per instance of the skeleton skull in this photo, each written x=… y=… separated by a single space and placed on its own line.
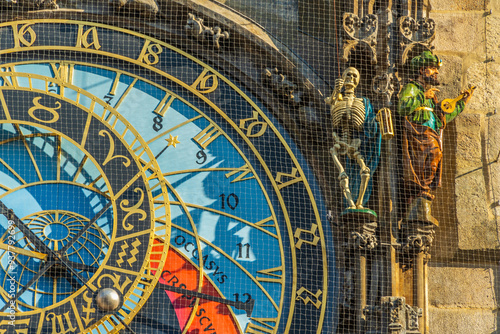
x=350 y=78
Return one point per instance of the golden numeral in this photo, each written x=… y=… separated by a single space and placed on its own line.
x=52 y=111
x=62 y=72
x=88 y=309
x=132 y=210
x=20 y=35
x=16 y=323
x=308 y=300
x=116 y=281
x=207 y=136
x=150 y=53
x=164 y=104
x=110 y=155
x=254 y=122
x=292 y=175
x=206 y=83
x=264 y=327
x=83 y=38
x=276 y=278
x=244 y=170
x=312 y=232
x=58 y=321
x=132 y=253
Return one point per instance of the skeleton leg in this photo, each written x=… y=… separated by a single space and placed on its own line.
x=344 y=179
x=365 y=177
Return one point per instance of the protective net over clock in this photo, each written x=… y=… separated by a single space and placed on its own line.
x=238 y=166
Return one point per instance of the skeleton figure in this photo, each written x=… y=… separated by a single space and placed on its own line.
x=353 y=118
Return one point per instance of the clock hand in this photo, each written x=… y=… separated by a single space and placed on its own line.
x=85 y=228
x=245 y=306
x=35 y=240
x=40 y=245
x=23 y=251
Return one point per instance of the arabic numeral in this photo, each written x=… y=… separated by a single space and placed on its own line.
x=240 y=250
x=157 y=126
x=201 y=155
x=108 y=98
x=232 y=201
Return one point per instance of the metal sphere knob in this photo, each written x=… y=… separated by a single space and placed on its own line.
x=108 y=299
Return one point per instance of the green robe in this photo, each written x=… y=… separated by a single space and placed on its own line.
x=422 y=142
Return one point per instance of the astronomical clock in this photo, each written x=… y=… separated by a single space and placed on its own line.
x=148 y=186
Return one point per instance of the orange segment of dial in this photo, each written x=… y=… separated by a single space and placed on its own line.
x=210 y=317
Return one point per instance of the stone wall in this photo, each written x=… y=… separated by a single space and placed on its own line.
x=464 y=285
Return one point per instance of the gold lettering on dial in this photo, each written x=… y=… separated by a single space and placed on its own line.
x=164 y=104
x=308 y=294
x=52 y=111
x=206 y=83
x=62 y=72
x=276 y=275
x=9 y=81
x=312 y=232
x=82 y=39
x=110 y=155
x=254 y=123
x=21 y=34
x=244 y=170
x=59 y=325
x=292 y=175
x=263 y=326
x=150 y=53
x=132 y=210
x=207 y=136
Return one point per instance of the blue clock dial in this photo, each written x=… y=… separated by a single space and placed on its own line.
x=166 y=152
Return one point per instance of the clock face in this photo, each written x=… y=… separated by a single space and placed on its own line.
x=131 y=167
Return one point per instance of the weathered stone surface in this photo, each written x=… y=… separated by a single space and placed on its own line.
x=459 y=32
x=458 y=4
x=468 y=144
x=462 y=287
x=485 y=77
x=476 y=224
x=493 y=36
x=450 y=76
x=144 y=8
x=462 y=321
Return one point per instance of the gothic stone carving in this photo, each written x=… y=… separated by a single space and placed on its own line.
x=144 y=8
x=393 y=316
x=413 y=33
x=198 y=30
x=30 y=4
x=361 y=31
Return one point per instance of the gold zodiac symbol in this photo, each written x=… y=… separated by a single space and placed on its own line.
x=110 y=156
x=133 y=209
x=88 y=309
x=116 y=281
x=52 y=111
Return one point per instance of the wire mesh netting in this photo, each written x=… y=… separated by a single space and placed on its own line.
x=238 y=166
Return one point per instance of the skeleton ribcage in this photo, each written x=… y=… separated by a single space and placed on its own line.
x=348 y=118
